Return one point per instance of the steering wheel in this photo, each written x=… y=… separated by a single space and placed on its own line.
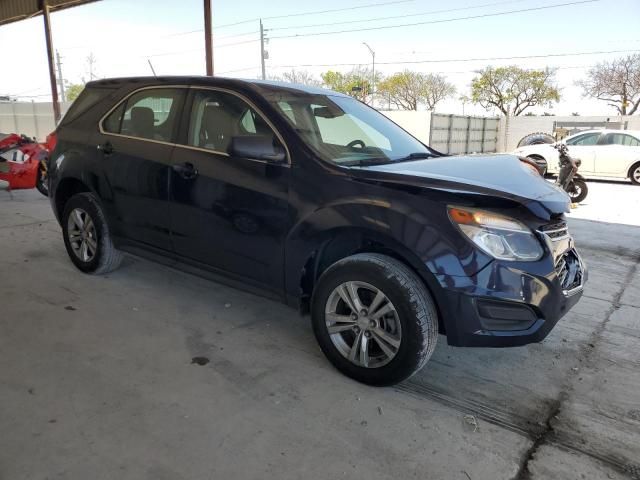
x=356 y=142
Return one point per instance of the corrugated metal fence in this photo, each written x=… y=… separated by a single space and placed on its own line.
x=457 y=134
x=34 y=119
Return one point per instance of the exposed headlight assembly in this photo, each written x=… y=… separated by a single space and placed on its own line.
x=501 y=237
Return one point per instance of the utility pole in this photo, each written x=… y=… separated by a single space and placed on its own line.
x=208 y=38
x=263 y=53
x=60 y=79
x=91 y=61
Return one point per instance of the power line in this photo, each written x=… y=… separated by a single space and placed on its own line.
x=316 y=12
x=432 y=12
x=486 y=15
x=451 y=60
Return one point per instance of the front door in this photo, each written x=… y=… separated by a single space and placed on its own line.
x=135 y=144
x=228 y=212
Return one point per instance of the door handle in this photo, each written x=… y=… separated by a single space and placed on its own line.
x=186 y=170
x=106 y=148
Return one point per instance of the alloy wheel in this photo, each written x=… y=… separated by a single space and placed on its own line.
x=636 y=174
x=82 y=235
x=363 y=324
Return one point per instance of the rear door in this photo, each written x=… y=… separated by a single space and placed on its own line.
x=585 y=147
x=228 y=212
x=618 y=152
x=135 y=141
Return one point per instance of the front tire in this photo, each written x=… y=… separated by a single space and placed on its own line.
x=374 y=319
x=578 y=190
x=86 y=235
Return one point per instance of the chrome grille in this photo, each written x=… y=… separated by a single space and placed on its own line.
x=570 y=272
x=555 y=231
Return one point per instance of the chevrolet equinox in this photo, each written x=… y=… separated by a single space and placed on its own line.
x=313 y=198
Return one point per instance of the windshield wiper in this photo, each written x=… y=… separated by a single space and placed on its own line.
x=416 y=156
x=365 y=162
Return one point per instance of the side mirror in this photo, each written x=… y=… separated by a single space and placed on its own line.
x=260 y=147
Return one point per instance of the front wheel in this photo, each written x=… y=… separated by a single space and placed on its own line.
x=578 y=190
x=374 y=319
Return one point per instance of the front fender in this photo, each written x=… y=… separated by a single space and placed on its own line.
x=422 y=234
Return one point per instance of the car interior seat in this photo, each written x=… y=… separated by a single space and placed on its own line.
x=217 y=128
x=142 y=120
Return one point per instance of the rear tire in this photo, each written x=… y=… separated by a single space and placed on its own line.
x=86 y=235
x=634 y=174
x=389 y=346
x=537 y=138
x=42 y=183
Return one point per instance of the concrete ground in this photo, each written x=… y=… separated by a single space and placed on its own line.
x=96 y=380
x=615 y=202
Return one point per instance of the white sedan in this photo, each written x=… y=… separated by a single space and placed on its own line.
x=604 y=153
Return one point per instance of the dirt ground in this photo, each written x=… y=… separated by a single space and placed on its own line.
x=97 y=380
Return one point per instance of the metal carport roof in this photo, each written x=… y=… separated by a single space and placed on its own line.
x=15 y=10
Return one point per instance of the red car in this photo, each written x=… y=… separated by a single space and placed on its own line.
x=23 y=163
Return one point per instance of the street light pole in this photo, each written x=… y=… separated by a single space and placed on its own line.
x=373 y=70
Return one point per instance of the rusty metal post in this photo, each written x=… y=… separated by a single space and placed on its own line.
x=208 y=38
x=52 y=71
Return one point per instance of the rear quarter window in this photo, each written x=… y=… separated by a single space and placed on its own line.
x=89 y=97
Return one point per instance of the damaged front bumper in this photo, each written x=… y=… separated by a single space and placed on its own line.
x=514 y=303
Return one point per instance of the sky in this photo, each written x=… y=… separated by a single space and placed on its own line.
x=444 y=37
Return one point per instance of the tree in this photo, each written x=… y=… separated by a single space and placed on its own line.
x=616 y=82
x=356 y=83
x=298 y=76
x=512 y=89
x=73 y=90
x=406 y=90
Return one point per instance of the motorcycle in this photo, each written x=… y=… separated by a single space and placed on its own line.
x=568 y=177
x=23 y=163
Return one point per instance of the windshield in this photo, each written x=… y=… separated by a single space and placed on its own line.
x=345 y=131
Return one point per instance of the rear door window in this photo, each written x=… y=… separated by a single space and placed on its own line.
x=622 y=139
x=149 y=114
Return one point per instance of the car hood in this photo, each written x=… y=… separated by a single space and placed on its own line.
x=503 y=176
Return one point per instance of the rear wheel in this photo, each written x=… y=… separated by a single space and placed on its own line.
x=86 y=235
x=634 y=174
x=42 y=182
x=374 y=319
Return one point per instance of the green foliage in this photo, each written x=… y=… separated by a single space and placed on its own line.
x=73 y=90
x=356 y=83
x=513 y=89
x=406 y=90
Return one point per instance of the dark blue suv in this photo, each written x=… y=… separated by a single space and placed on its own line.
x=313 y=198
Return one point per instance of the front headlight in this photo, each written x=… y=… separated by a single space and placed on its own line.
x=499 y=236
